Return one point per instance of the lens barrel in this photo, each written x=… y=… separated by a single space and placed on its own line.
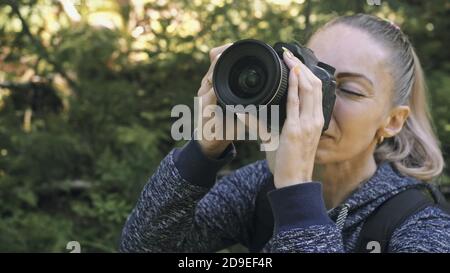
x=250 y=72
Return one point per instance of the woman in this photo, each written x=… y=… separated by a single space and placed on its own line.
x=379 y=143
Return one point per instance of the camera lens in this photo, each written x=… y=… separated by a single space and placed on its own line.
x=250 y=72
x=247 y=77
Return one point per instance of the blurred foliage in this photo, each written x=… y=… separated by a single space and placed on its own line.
x=86 y=88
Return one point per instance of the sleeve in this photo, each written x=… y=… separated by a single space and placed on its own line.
x=182 y=209
x=301 y=221
x=426 y=231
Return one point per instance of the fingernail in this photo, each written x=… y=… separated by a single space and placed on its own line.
x=297 y=70
x=288 y=53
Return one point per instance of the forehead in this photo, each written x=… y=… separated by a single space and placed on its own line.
x=349 y=49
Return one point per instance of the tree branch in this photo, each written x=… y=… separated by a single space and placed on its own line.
x=38 y=45
x=19 y=86
x=307 y=14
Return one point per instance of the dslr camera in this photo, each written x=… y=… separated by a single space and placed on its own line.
x=251 y=72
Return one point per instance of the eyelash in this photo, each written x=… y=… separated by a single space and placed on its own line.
x=350 y=92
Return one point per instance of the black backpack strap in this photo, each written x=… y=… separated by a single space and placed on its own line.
x=263 y=221
x=381 y=224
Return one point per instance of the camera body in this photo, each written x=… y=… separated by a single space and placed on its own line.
x=251 y=72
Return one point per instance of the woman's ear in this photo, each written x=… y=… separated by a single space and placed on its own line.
x=395 y=121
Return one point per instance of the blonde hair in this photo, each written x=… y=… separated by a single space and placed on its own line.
x=414 y=151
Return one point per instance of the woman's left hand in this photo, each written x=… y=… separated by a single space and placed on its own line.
x=303 y=126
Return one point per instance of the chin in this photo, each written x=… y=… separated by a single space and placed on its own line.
x=322 y=157
x=325 y=155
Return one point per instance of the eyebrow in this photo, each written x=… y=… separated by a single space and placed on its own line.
x=353 y=75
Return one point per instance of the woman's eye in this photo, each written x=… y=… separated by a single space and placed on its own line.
x=350 y=92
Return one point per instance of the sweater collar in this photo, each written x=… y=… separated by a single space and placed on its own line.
x=385 y=183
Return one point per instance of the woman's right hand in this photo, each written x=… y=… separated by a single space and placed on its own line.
x=211 y=146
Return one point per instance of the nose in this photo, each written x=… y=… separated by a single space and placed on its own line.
x=332 y=125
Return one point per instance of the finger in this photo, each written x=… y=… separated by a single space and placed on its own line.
x=317 y=86
x=209 y=98
x=207 y=79
x=307 y=82
x=293 y=103
x=214 y=55
x=204 y=87
x=306 y=93
x=212 y=66
x=218 y=50
x=289 y=59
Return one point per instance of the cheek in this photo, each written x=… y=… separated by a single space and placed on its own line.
x=356 y=121
x=355 y=127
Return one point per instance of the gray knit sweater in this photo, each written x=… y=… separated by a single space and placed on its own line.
x=183 y=209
